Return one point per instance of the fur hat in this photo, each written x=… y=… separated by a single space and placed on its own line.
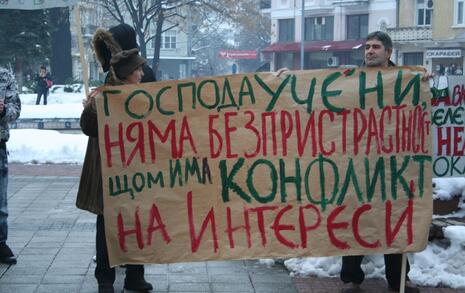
x=125 y=62
x=124 y=35
x=105 y=46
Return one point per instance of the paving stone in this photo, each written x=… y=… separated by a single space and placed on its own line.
x=264 y=278
x=189 y=287
x=34 y=258
x=41 y=251
x=187 y=278
x=17 y=288
x=232 y=287
x=270 y=289
x=156 y=269
x=155 y=279
x=20 y=279
x=160 y=286
x=62 y=279
x=188 y=268
x=26 y=270
x=58 y=288
x=227 y=270
x=230 y=278
x=276 y=287
x=63 y=270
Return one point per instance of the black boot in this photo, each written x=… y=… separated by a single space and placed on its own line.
x=106 y=288
x=137 y=284
x=6 y=255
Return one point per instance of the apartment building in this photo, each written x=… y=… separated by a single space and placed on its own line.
x=93 y=16
x=333 y=31
x=175 y=60
x=431 y=33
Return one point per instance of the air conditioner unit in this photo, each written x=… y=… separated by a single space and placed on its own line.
x=333 y=61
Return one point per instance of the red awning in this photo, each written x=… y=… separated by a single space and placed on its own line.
x=315 y=46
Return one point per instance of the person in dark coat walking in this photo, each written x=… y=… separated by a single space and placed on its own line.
x=43 y=84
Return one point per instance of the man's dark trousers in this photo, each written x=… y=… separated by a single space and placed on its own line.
x=351 y=271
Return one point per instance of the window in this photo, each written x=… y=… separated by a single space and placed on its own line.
x=319 y=28
x=168 y=40
x=357 y=27
x=424 y=12
x=286 y=30
x=459 y=12
x=414 y=58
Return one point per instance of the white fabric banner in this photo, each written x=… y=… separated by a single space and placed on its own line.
x=35 y=4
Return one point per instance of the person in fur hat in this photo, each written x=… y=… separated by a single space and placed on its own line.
x=125 y=67
x=125 y=36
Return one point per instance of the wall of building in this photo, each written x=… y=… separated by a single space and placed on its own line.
x=407 y=13
x=382 y=13
x=443 y=20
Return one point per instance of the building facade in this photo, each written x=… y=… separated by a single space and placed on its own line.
x=431 y=33
x=93 y=16
x=333 y=31
x=175 y=60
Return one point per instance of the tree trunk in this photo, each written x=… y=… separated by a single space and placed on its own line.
x=157 y=45
x=142 y=46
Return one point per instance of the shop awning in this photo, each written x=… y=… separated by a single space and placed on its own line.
x=315 y=46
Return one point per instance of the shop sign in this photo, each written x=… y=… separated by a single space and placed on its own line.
x=451 y=53
x=238 y=54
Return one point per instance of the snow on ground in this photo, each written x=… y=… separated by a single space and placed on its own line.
x=441 y=263
x=59 y=105
x=46 y=146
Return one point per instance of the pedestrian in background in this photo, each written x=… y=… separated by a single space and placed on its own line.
x=43 y=84
x=10 y=108
x=126 y=67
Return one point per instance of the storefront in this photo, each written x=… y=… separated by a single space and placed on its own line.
x=322 y=54
x=446 y=61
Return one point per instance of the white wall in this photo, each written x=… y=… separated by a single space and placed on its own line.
x=379 y=11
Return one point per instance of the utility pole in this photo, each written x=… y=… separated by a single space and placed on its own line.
x=302 y=34
x=189 y=42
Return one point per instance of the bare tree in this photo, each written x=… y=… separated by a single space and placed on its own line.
x=151 y=18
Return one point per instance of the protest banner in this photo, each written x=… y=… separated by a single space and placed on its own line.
x=448 y=121
x=311 y=163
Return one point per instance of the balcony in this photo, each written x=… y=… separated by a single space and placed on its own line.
x=350 y=2
x=409 y=34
